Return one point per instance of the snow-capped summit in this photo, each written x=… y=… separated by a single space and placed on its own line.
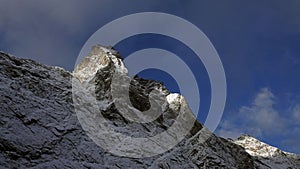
x=266 y=155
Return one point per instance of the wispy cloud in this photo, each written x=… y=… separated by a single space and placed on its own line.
x=261 y=116
x=262 y=119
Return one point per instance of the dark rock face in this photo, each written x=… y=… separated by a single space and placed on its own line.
x=39 y=127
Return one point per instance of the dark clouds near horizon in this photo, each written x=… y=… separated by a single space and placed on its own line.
x=257 y=41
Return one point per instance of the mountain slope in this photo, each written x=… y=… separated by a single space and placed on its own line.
x=40 y=127
x=267 y=156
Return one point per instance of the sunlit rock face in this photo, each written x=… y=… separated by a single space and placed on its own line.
x=39 y=126
x=99 y=58
x=267 y=156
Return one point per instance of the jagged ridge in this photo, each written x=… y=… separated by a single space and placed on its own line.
x=40 y=129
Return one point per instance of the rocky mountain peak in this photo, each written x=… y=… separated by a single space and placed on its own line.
x=41 y=124
x=162 y=119
x=267 y=155
x=100 y=57
x=257 y=148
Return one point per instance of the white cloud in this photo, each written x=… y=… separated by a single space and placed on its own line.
x=258 y=119
x=261 y=119
x=261 y=115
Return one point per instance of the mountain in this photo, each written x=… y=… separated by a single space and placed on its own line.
x=51 y=118
x=267 y=156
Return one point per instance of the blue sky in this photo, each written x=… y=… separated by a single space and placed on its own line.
x=257 y=41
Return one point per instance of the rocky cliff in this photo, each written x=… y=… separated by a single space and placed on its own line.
x=51 y=118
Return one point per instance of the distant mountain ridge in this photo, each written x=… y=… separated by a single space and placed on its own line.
x=269 y=156
x=39 y=127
